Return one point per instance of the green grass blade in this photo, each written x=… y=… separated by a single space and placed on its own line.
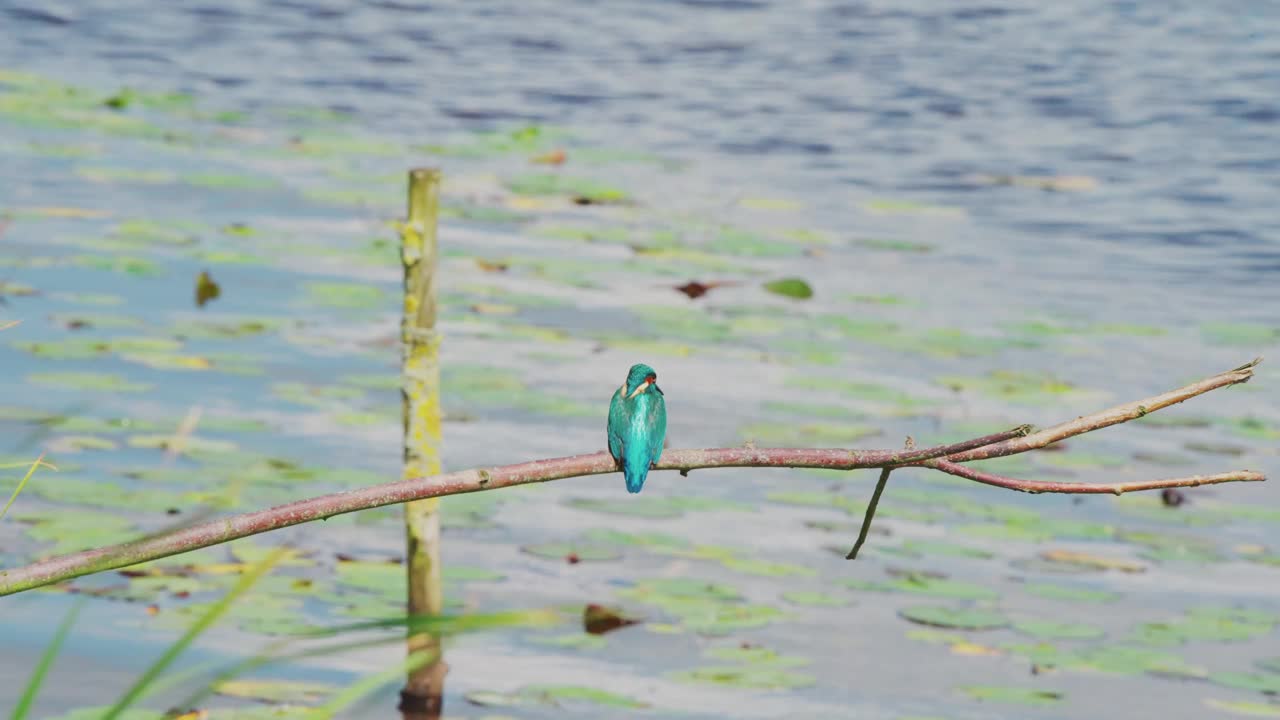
x=30 y=471
x=443 y=625
x=362 y=687
x=199 y=626
x=46 y=661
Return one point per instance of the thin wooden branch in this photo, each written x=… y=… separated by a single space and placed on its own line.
x=1016 y=440
x=1079 y=488
x=1108 y=417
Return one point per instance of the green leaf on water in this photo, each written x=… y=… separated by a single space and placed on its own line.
x=576 y=641
x=1250 y=334
x=1019 y=696
x=1207 y=624
x=750 y=677
x=557 y=184
x=954 y=617
x=744 y=243
x=815 y=599
x=275 y=691
x=893 y=245
x=800 y=435
x=1069 y=593
x=554 y=695
x=794 y=288
x=944 y=548
x=1012 y=386
x=189 y=443
x=755 y=566
x=920 y=584
x=655 y=540
x=562 y=551
x=579 y=694
x=1247 y=708
x=1050 y=630
x=87 y=382
x=1268 y=683
x=78 y=443
x=1255 y=428
x=75 y=529
x=354 y=296
x=637 y=507
x=754 y=655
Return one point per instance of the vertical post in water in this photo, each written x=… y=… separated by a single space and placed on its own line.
x=420 y=360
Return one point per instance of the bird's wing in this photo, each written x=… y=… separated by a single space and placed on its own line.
x=657 y=425
x=617 y=423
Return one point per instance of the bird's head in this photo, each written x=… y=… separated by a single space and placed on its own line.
x=640 y=378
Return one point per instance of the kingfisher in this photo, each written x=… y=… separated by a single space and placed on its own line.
x=637 y=425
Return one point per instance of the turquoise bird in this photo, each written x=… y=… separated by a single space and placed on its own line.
x=637 y=425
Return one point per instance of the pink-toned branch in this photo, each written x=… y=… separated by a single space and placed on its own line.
x=944 y=458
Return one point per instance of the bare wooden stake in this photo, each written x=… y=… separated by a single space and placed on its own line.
x=420 y=382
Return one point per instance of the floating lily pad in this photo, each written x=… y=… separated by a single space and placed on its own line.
x=88 y=381
x=1088 y=561
x=1019 y=696
x=754 y=655
x=77 y=443
x=953 y=617
x=71 y=529
x=803 y=435
x=1207 y=623
x=347 y=295
x=790 y=287
x=815 y=599
x=276 y=691
x=920 y=584
x=554 y=695
x=188 y=443
x=1252 y=335
x=1268 y=683
x=1245 y=708
x=573 y=552
x=1069 y=593
x=944 y=549
x=654 y=540
x=1050 y=630
x=755 y=678
x=556 y=184
x=638 y=507
x=1012 y=386
x=576 y=641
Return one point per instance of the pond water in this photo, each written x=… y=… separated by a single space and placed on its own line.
x=1008 y=213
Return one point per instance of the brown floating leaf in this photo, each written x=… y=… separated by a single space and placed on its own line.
x=206 y=289
x=694 y=289
x=1070 y=557
x=598 y=619
x=1172 y=497
x=555 y=157
x=491 y=265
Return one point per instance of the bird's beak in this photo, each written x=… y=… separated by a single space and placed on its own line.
x=639 y=389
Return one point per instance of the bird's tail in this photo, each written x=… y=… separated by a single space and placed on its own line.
x=635 y=470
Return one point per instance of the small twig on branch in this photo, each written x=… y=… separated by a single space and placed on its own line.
x=942 y=457
x=871 y=512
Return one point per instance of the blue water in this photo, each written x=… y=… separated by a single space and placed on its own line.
x=1172 y=111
